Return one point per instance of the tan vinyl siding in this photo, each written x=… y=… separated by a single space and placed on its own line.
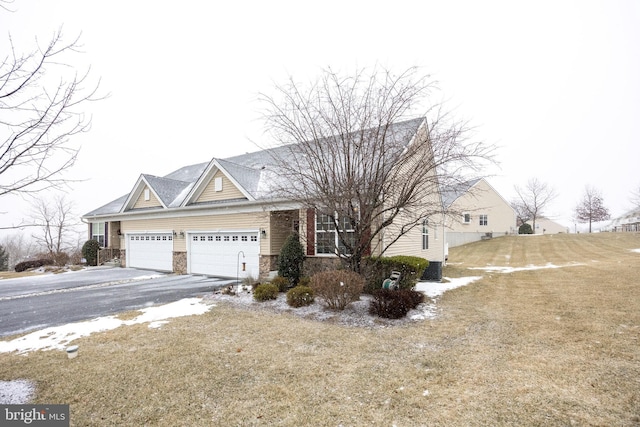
x=244 y=221
x=153 y=202
x=482 y=199
x=280 y=227
x=411 y=242
x=229 y=191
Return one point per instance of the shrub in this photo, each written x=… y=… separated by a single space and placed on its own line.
x=291 y=259
x=304 y=281
x=90 y=251
x=34 y=263
x=300 y=296
x=377 y=269
x=525 y=229
x=61 y=259
x=265 y=292
x=282 y=283
x=392 y=304
x=337 y=289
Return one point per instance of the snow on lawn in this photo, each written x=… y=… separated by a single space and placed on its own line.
x=436 y=289
x=635 y=250
x=499 y=269
x=59 y=337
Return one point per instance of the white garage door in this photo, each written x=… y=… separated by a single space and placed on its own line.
x=152 y=251
x=221 y=254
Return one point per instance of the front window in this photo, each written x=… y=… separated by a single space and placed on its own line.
x=425 y=234
x=467 y=218
x=484 y=220
x=97 y=233
x=327 y=239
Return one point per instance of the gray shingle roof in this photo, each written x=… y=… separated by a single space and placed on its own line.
x=452 y=193
x=255 y=172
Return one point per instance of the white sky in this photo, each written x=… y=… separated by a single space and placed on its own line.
x=556 y=85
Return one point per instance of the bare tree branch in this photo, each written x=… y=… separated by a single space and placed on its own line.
x=591 y=208
x=353 y=149
x=41 y=109
x=532 y=200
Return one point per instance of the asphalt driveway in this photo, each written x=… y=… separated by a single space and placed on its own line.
x=37 y=302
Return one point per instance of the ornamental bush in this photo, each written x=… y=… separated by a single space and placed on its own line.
x=377 y=269
x=34 y=263
x=300 y=296
x=291 y=259
x=393 y=304
x=90 y=251
x=525 y=229
x=265 y=292
x=337 y=289
x=282 y=283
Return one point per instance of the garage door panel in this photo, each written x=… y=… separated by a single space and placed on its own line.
x=221 y=254
x=152 y=251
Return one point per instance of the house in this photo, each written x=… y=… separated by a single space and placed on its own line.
x=222 y=218
x=476 y=211
x=546 y=226
x=628 y=222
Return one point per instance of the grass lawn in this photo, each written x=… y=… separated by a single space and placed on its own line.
x=552 y=346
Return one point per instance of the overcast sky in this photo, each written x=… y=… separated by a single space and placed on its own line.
x=554 y=84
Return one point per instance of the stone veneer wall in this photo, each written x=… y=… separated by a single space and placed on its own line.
x=180 y=262
x=267 y=263
x=313 y=265
x=123 y=258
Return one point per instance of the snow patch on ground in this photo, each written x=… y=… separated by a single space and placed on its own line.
x=635 y=250
x=16 y=392
x=59 y=337
x=505 y=269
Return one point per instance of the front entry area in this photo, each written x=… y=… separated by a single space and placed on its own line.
x=221 y=253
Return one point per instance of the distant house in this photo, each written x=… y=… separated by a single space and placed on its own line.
x=547 y=226
x=629 y=222
x=476 y=211
x=221 y=218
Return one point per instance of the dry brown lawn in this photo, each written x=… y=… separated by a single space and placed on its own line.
x=552 y=347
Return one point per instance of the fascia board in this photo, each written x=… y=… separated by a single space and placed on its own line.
x=135 y=193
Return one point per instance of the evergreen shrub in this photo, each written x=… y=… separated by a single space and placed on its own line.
x=265 y=292
x=300 y=296
x=90 y=251
x=282 y=283
x=377 y=269
x=291 y=259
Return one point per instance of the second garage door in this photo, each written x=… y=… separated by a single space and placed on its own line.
x=221 y=253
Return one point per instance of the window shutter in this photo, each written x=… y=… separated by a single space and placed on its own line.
x=106 y=234
x=311 y=232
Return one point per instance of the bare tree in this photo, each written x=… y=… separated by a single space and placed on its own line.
x=18 y=247
x=56 y=221
x=344 y=147
x=532 y=200
x=591 y=208
x=635 y=196
x=41 y=109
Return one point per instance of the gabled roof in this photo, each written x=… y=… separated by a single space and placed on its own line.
x=254 y=174
x=452 y=193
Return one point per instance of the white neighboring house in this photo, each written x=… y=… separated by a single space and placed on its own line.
x=628 y=222
x=547 y=226
x=476 y=211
